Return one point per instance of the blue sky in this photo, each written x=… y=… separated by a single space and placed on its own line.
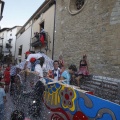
x=17 y=12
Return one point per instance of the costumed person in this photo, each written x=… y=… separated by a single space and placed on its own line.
x=66 y=75
x=32 y=58
x=83 y=69
x=12 y=76
x=21 y=65
x=7 y=78
x=2 y=101
x=39 y=67
x=61 y=63
x=55 y=73
x=42 y=36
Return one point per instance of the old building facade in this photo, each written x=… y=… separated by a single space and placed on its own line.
x=8 y=40
x=89 y=27
x=27 y=39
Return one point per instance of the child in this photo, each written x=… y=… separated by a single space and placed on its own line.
x=2 y=100
x=7 y=79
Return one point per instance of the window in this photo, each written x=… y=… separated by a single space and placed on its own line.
x=20 y=50
x=75 y=6
x=41 y=26
x=19 y=61
x=22 y=31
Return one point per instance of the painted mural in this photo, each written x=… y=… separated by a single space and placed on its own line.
x=67 y=103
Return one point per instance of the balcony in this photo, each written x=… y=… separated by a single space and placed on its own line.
x=8 y=45
x=36 y=41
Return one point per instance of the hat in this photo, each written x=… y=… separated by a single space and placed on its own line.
x=32 y=60
x=28 y=52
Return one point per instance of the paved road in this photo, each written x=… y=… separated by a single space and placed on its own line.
x=9 y=107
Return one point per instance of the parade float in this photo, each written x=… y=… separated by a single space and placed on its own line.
x=55 y=100
x=66 y=102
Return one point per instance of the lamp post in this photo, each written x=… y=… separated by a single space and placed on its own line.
x=1 y=8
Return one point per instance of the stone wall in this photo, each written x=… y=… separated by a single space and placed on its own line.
x=94 y=31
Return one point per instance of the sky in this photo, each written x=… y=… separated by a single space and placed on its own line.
x=17 y=12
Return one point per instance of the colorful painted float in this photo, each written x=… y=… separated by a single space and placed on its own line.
x=67 y=102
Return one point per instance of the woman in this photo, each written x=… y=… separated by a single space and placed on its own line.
x=61 y=61
x=39 y=67
x=7 y=79
x=66 y=75
x=83 y=69
x=2 y=101
x=61 y=64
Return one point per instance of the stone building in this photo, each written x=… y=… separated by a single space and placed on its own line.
x=89 y=27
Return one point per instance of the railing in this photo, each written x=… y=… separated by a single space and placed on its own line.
x=36 y=40
x=8 y=45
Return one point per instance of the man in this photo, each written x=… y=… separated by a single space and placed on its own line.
x=31 y=58
x=21 y=65
x=66 y=75
x=12 y=76
x=55 y=73
x=2 y=100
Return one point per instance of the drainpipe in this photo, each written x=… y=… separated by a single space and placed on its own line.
x=31 y=35
x=54 y=31
x=15 y=49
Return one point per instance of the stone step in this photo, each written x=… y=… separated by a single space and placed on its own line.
x=92 y=83
x=87 y=88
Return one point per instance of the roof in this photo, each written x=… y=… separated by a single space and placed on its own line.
x=38 y=10
x=13 y=27
x=9 y=28
x=4 y=29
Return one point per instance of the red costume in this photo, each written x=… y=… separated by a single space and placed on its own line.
x=7 y=75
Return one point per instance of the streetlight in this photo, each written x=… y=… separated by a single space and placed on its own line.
x=1 y=8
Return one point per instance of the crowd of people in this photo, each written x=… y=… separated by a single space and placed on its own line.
x=35 y=62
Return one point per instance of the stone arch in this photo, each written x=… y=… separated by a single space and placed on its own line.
x=75 y=6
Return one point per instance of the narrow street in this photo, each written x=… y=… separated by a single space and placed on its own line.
x=9 y=107
x=60 y=59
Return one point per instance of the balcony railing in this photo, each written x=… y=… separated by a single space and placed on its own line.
x=36 y=40
x=8 y=45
